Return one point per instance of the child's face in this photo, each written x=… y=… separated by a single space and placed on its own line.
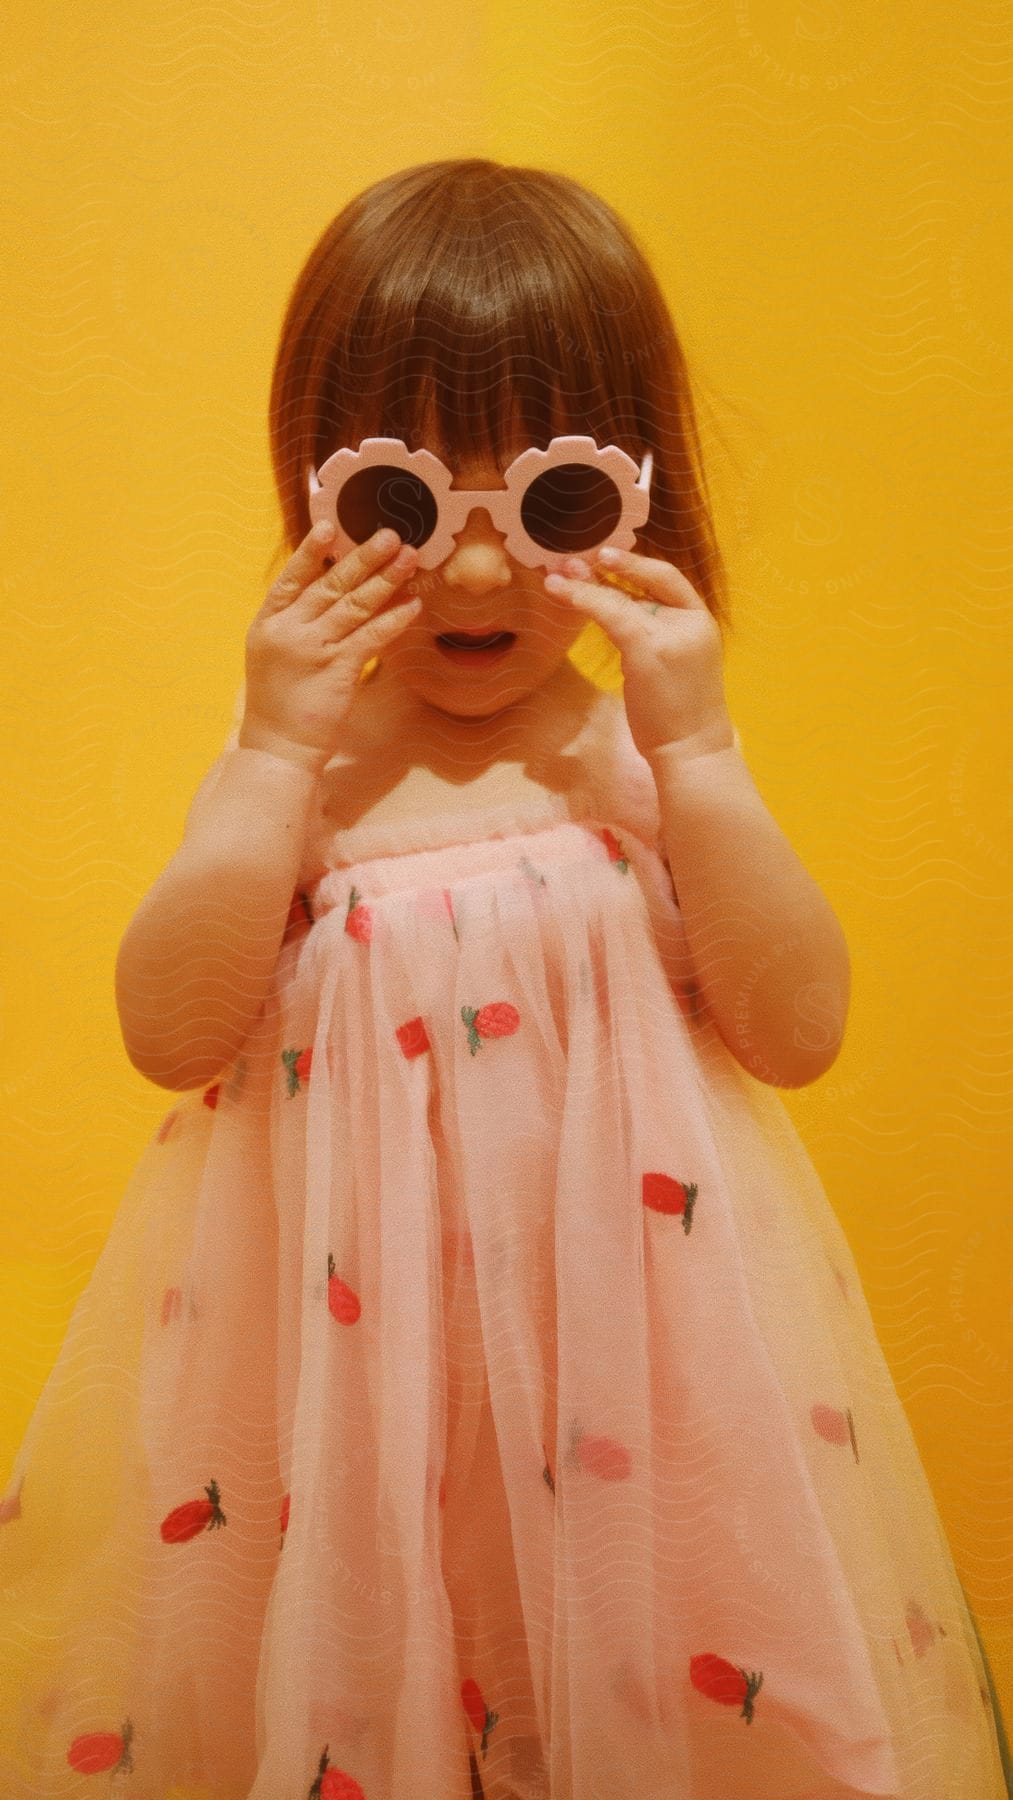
x=480 y=588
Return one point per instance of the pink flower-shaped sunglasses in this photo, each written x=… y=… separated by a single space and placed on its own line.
x=567 y=500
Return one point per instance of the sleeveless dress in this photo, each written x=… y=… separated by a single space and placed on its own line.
x=475 y=1394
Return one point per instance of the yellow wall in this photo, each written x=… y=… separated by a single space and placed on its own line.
x=822 y=188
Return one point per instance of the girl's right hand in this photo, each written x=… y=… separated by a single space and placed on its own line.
x=308 y=644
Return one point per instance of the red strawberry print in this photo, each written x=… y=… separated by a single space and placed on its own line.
x=166 y=1126
x=98 y=1751
x=664 y=1194
x=412 y=1037
x=10 y=1505
x=600 y=1456
x=342 y=1303
x=547 y=1472
x=298 y=1064
x=477 y=1790
x=358 y=918
x=334 y=1784
x=615 y=850
x=283 y=1520
x=603 y=1457
x=722 y=1681
x=210 y=1095
x=481 y=1718
x=920 y=1629
x=497 y=1019
x=185 y=1521
x=833 y=1425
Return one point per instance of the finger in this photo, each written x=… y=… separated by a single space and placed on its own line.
x=307 y=563
x=661 y=579
x=384 y=626
x=615 y=612
x=363 y=581
x=652 y=603
x=303 y=566
x=623 y=583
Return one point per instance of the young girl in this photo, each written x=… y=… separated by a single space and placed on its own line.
x=476 y=1394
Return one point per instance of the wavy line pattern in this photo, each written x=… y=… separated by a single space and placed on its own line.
x=823 y=191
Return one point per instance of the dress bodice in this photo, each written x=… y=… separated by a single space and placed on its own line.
x=611 y=781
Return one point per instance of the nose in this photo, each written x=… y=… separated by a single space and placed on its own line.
x=478 y=562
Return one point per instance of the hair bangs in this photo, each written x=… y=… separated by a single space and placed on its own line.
x=474 y=308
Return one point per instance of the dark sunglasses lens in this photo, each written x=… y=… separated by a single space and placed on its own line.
x=386 y=495
x=571 y=508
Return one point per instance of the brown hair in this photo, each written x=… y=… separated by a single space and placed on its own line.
x=466 y=296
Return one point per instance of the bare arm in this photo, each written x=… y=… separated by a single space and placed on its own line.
x=195 y=964
x=768 y=949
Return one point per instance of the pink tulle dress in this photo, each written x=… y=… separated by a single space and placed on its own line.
x=475 y=1395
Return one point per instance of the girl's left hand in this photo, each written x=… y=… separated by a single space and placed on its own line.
x=669 y=644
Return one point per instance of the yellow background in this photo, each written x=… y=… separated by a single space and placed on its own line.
x=823 y=189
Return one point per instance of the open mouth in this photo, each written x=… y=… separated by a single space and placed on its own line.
x=473 y=640
x=466 y=648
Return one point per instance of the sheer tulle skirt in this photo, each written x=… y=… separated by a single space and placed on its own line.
x=476 y=1395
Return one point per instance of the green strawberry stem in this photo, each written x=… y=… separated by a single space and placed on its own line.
x=469 y=1014
x=753 y=1686
x=690 y=1193
x=491 y=1719
x=290 y=1058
